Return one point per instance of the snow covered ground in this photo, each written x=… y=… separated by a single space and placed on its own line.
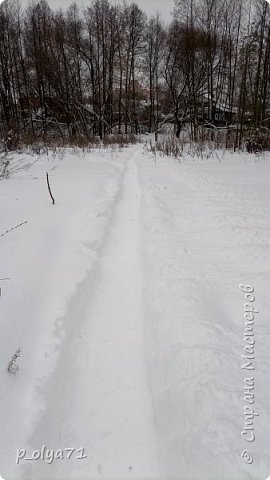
x=124 y=299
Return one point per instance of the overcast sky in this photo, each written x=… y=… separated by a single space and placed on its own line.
x=149 y=6
x=152 y=6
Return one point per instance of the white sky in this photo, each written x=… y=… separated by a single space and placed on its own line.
x=152 y=6
x=149 y=6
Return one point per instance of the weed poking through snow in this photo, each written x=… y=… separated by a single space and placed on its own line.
x=12 y=366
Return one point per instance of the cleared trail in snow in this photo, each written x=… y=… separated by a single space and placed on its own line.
x=98 y=397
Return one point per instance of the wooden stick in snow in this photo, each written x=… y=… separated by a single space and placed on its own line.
x=49 y=188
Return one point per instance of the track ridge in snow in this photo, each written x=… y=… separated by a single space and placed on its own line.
x=102 y=357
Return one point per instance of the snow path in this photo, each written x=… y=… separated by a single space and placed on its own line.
x=107 y=406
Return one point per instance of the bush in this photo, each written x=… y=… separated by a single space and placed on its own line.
x=41 y=144
x=169 y=146
x=257 y=140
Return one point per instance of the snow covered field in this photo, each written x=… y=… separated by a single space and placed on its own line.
x=124 y=299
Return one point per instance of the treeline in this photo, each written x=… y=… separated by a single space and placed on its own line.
x=110 y=69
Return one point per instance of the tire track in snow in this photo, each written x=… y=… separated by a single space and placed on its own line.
x=98 y=396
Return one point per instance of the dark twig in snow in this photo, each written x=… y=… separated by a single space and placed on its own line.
x=49 y=188
x=13 y=228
